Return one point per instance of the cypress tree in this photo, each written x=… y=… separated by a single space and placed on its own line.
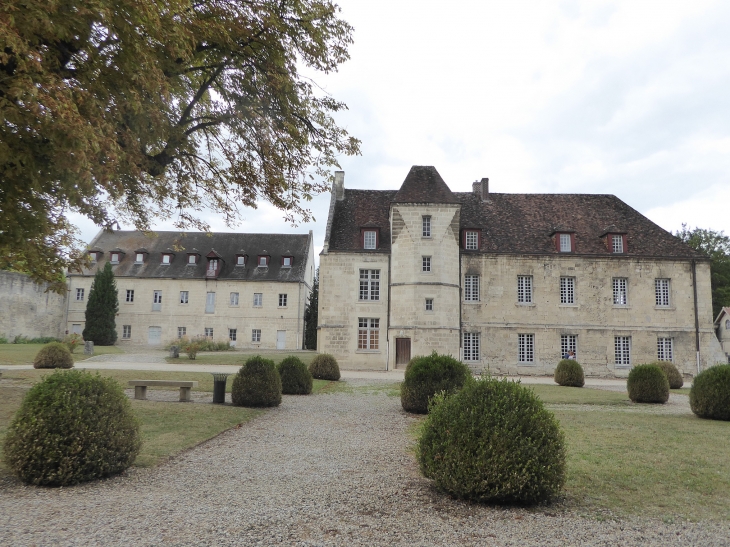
x=102 y=308
x=310 y=316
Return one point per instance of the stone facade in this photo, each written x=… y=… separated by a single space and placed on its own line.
x=28 y=308
x=722 y=329
x=424 y=303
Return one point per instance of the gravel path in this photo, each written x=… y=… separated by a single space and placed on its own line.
x=322 y=470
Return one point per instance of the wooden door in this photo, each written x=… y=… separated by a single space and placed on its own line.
x=402 y=351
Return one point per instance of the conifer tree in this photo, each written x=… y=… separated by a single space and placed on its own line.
x=102 y=308
x=310 y=316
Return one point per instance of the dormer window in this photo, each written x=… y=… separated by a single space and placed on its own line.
x=369 y=238
x=166 y=258
x=286 y=261
x=139 y=259
x=617 y=243
x=263 y=261
x=114 y=258
x=93 y=255
x=471 y=240
x=565 y=242
x=240 y=260
x=192 y=259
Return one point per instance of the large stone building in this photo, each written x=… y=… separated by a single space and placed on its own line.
x=507 y=282
x=251 y=289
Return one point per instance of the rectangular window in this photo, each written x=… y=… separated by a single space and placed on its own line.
x=617 y=243
x=471 y=346
x=369 y=284
x=126 y=332
x=565 y=246
x=664 y=349
x=620 y=292
x=426 y=263
x=368 y=333
x=232 y=334
x=80 y=295
x=157 y=301
x=471 y=288
x=661 y=292
x=209 y=332
x=282 y=301
x=426 y=231
x=192 y=259
x=524 y=289
x=234 y=299
x=240 y=260
x=622 y=350
x=256 y=336
x=471 y=240
x=210 y=302
x=166 y=259
x=429 y=304
x=115 y=258
x=182 y=332
x=568 y=343
x=526 y=348
x=567 y=290
x=130 y=295
x=263 y=261
x=369 y=239
x=286 y=261
x=139 y=258
x=258 y=299
x=183 y=297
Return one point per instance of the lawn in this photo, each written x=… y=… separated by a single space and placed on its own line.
x=23 y=354
x=239 y=357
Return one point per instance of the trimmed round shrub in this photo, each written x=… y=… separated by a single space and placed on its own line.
x=673 y=375
x=426 y=376
x=295 y=376
x=257 y=384
x=648 y=384
x=493 y=442
x=710 y=393
x=324 y=367
x=72 y=427
x=569 y=373
x=53 y=355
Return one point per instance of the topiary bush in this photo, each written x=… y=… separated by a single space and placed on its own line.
x=493 y=442
x=72 y=427
x=257 y=384
x=324 y=367
x=648 y=384
x=426 y=376
x=295 y=377
x=710 y=393
x=53 y=355
x=673 y=375
x=569 y=373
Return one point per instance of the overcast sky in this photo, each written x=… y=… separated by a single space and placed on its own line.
x=630 y=98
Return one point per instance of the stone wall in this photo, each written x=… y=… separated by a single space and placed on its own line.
x=26 y=308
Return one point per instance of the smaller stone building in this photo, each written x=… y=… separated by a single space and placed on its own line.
x=722 y=327
x=250 y=289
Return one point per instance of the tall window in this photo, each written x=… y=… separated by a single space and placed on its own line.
x=368 y=333
x=126 y=332
x=567 y=290
x=369 y=284
x=565 y=246
x=471 y=288
x=234 y=299
x=369 y=239
x=526 y=348
x=282 y=301
x=256 y=336
x=426 y=232
x=157 y=301
x=258 y=299
x=183 y=297
x=209 y=332
x=617 y=243
x=620 y=291
x=210 y=302
x=664 y=349
x=471 y=240
x=470 y=344
x=182 y=332
x=130 y=295
x=429 y=304
x=232 y=334
x=661 y=292
x=80 y=295
x=426 y=263
x=622 y=350
x=524 y=289
x=568 y=342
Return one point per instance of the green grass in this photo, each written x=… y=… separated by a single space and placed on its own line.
x=23 y=354
x=239 y=357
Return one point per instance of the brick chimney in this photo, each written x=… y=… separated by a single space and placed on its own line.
x=339 y=187
x=481 y=188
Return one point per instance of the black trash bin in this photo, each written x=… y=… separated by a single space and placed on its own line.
x=219 y=387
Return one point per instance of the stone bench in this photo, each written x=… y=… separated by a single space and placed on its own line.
x=140 y=387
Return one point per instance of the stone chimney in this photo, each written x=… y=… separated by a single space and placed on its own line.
x=339 y=187
x=481 y=188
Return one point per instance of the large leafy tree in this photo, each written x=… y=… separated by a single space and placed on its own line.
x=134 y=110
x=101 y=309
x=716 y=245
x=311 y=316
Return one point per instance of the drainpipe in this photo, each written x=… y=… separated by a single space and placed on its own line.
x=300 y=317
x=697 y=318
x=387 y=329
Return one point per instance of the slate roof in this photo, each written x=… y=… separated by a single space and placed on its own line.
x=423 y=184
x=226 y=245
x=361 y=209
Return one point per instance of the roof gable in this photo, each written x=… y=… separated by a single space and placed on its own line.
x=424 y=185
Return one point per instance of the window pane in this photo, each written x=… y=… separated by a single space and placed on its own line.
x=426 y=263
x=567 y=290
x=661 y=290
x=368 y=333
x=369 y=284
x=426 y=232
x=429 y=304
x=565 y=243
x=369 y=239
x=471 y=288
x=622 y=349
x=620 y=291
x=526 y=348
x=664 y=349
x=472 y=240
x=568 y=343
x=524 y=289
x=234 y=299
x=617 y=243
x=258 y=299
x=471 y=346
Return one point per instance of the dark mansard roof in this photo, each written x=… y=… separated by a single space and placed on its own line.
x=225 y=246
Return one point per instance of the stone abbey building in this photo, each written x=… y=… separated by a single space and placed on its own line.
x=507 y=282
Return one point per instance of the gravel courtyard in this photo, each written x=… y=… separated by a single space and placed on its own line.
x=332 y=469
